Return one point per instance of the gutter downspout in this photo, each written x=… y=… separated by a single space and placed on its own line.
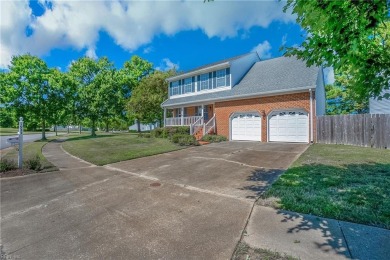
x=311 y=116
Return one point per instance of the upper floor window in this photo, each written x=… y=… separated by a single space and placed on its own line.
x=221 y=78
x=204 y=81
x=175 y=88
x=187 y=85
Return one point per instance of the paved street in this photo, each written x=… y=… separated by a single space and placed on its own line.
x=26 y=139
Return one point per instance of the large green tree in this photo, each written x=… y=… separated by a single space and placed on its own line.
x=352 y=36
x=29 y=89
x=341 y=100
x=146 y=99
x=96 y=88
x=133 y=71
x=60 y=98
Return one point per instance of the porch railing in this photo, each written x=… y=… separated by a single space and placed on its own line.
x=196 y=126
x=209 y=126
x=186 y=120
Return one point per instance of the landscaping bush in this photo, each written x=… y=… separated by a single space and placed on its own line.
x=157 y=132
x=184 y=139
x=214 y=138
x=7 y=165
x=34 y=163
x=144 y=135
x=169 y=131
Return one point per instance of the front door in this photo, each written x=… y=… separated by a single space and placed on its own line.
x=206 y=113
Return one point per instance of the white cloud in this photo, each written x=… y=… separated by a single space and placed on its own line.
x=91 y=53
x=148 y=49
x=329 y=75
x=263 y=49
x=284 y=39
x=167 y=64
x=131 y=24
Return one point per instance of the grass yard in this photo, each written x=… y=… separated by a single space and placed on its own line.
x=245 y=252
x=30 y=150
x=110 y=148
x=337 y=181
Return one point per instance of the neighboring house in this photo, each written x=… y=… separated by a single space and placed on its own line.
x=380 y=106
x=244 y=98
x=143 y=127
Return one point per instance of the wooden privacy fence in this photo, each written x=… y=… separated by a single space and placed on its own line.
x=370 y=130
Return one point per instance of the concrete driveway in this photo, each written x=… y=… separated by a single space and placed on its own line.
x=188 y=204
x=235 y=169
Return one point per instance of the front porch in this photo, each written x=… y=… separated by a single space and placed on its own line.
x=196 y=117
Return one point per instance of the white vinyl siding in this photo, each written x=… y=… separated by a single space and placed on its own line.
x=187 y=85
x=221 y=78
x=380 y=106
x=204 y=81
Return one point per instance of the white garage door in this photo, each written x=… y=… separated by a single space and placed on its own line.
x=289 y=126
x=246 y=127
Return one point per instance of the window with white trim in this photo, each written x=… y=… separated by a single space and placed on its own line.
x=221 y=78
x=175 y=88
x=204 y=81
x=187 y=85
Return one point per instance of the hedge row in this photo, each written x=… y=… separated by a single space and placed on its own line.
x=169 y=131
x=214 y=138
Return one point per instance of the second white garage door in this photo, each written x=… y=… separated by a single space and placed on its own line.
x=246 y=127
x=288 y=126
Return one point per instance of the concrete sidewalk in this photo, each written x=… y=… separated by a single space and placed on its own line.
x=311 y=237
x=55 y=154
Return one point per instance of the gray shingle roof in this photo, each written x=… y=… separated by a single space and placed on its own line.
x=265 y=77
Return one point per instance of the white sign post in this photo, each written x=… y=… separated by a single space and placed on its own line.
x=20 y=159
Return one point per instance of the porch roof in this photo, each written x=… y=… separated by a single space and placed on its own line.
x=274 y=76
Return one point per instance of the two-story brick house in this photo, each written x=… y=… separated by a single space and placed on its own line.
x=245 y=98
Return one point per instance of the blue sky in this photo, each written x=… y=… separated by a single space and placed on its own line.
x=184 y=34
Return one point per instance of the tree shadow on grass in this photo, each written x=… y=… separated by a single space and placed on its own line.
x=262 y=179
x=78 y=138
x=351 y=192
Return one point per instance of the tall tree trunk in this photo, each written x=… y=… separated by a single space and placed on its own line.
x=68 y=129
x=93 y=128
x=43 y=129
x=107 y=124
x=138 y=126
x=80 y=129
x=55 y=128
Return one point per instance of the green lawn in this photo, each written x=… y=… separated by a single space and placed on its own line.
x=337 y=181
x=110 y=148
x=30 y=150
x=245 y=252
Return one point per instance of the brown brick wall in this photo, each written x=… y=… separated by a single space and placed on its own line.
x=262 y=105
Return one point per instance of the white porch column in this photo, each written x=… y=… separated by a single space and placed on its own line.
x=182 y=115
x=202 y=110
x=165 y=116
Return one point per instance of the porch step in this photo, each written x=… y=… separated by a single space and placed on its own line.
x=198 y=135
